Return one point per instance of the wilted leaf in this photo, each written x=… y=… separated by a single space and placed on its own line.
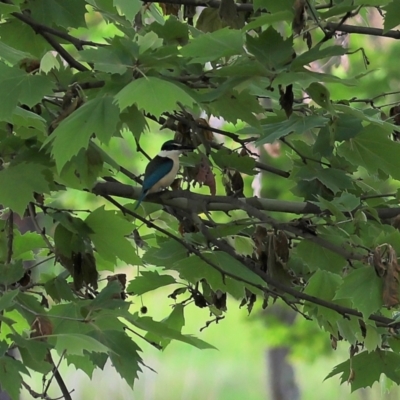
x=41 y=327
x=300 y=16
x=205 y=176
x=286 y=99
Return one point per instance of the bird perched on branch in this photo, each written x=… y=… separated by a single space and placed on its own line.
x=162 y=169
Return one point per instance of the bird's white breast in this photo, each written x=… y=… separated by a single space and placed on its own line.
x=169 y=178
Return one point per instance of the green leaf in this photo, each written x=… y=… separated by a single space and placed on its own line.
x=27 y=243
x=317 y=257
x=105 y=59
x=320 y=94
x=11 y=54
x=98 y=116
x=58 y=289
x=33 y=353
x=373 y=150
x=268 y=19
x=142 y=92
x=7 y=299
x=296 y=123
x=48 y=62
x=169 y=252
x=323 y=285
x=173 y=31
x=147 y=281
x=226 y=159
x=28 y=119
x=83 y=363
x=11 y=273
x=270 y=49
x=176 y=321
x=10 y=376
x=193 y=269
x=57 y=12
x=20 y=87
x=209 y=20
x=163 y=330
x=109 y=231
x=392 y=16
x=274 y=6
x=364 y=288
x=123 y=352
x=334 y=179
x=316 y=53
x=229 y=264
x=30 y=178
x=368 y=367
x=236 y=106
x=8 y=9
x=76 y=344
x=128 y=8
x=373 y=338
x=212 y=46
x=106 y=298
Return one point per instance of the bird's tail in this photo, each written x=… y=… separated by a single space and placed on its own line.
x=141 y=198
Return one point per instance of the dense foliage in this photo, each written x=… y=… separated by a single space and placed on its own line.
x=77 y=78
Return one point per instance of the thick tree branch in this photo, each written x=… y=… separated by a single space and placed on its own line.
x=364 y=30
x=184 y=199
x=193 y=202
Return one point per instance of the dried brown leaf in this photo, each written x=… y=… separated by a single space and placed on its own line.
x=260 y=240
x=205 y=176
x=233 y=183
x=300 y=16
x=121 y=278
x=391 y=280
x=395 y=114
x=286 y=99
x=281 y=246
x=29 y=64
x=41 y=327
x=170 y=9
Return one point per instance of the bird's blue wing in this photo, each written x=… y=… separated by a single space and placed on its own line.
x=157 y=168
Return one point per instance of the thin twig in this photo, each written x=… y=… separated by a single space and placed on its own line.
x=56 y=374
x=38 y=228
x=156 y=345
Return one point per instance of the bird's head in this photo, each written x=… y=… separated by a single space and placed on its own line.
x=172 y=147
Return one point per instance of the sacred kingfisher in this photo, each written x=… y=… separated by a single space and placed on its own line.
x=162 y=169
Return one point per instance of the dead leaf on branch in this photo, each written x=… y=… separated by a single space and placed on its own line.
x=170 y=9
x=233 y=183
x=395 y=114
x=386 y=267
x=72 y=100
x=82 y=267
x=300 y=16
x=41 y=328
x=286 y=99
x=190 y=134
x=281 y=246
x=272 y=251
x=205 y=176
x=121 y=278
